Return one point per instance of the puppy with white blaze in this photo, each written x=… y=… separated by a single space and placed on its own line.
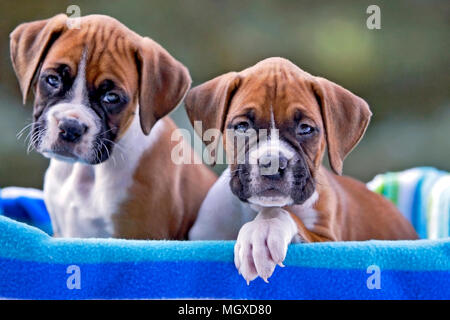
x=101 y=96
x=281 y=193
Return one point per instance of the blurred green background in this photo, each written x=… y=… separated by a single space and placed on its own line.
x=402 y=70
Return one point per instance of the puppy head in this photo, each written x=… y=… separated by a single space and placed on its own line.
x=299 y=114
x=89 y=82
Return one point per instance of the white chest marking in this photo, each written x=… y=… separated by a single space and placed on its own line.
x=82 y=198
x=306 y=211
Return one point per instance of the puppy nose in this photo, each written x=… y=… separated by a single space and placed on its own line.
x=272 y=166
x=71 y=130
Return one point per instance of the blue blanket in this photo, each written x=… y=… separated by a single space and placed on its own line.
x=34 y=265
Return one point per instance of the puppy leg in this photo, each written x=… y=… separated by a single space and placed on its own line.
x=263 y=243
x=221 y=214
x=308 y=236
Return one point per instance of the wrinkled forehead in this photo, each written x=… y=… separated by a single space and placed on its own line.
x=274 y=92
x=109 y=53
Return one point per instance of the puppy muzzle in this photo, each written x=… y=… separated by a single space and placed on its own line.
x=69 y=133
x=71 y=130
x=273 y=177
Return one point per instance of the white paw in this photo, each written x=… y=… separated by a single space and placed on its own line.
x=262 y=244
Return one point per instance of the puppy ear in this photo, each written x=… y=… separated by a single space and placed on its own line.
x=29 y=44
x=163 y=83
x=345 y=117
x=209 y=103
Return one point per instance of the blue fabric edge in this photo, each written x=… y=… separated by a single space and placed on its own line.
x=205 y=279
x=32 y=244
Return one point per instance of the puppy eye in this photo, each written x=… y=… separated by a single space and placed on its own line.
x=304 y=129
x=242 y=126
x=53 y=80
x=111 y=98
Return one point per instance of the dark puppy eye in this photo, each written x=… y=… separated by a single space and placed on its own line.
x=242 y=126
x=304 y=129
x=53 y=80
x=111 y=98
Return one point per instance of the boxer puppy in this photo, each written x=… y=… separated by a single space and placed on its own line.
x=101 y=94
x=300 y=200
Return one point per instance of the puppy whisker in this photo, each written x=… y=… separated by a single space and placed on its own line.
x=106 y=131
x=35 y=138
x=120 y=148
x=22 y=131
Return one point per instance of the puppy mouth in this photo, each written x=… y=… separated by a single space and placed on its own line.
x=61 y=153
x=73 y=133
x=270 y=198
x=279 y=176
x=260 y=191
x=90 y=151
x=72 y=153
x=294 y=187
x=271 y=192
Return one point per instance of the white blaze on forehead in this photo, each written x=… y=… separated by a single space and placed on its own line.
x=272 y=119
x=76 y=107
x=79 y=85
x=272 y=147
x=271 y=144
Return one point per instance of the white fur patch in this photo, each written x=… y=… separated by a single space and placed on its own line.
x=263 y=243
x=83 y=149
x=81 y=198
x=79 y=91
x=306 y=211
x=74 y=109
x=273 y=145
x=272 y=118
x=270 y=201
x=221 y=214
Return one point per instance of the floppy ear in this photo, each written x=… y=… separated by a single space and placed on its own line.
x=163 y=83
x=29 y=44
x=345 y=117
x=209 y=103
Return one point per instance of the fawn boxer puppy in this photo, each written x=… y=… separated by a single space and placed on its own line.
x=101 y=94
x=299 y=200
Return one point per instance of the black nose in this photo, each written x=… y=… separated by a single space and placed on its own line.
x=272 y=166
x=71 y=130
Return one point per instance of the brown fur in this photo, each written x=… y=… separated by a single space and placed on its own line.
x=347 y=210
x=162 y=206
x=149 y=74
x=164 y=199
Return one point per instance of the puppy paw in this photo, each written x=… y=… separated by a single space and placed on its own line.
x=262 y=244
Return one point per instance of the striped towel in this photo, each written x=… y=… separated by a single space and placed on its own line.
x=422 y=195
x=34 y=265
